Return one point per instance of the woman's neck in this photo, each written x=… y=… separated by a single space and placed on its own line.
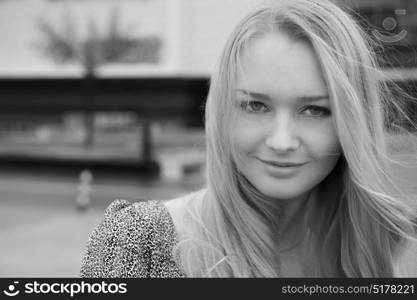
x=293 y=221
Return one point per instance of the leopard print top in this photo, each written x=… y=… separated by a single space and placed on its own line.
x=132 y=240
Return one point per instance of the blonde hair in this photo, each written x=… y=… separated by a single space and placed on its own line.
x=361 y=220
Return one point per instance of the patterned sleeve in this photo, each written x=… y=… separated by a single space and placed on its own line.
x=114 y=249
x=132 y=240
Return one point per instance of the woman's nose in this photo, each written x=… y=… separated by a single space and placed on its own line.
x=283 y=137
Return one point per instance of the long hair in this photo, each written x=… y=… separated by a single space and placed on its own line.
x=360 y=220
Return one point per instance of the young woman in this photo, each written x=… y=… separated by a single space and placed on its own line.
x=298 y=165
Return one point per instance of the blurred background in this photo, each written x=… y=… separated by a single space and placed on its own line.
x=104 y=99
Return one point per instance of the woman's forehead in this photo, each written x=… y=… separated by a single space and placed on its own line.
x=276 y=65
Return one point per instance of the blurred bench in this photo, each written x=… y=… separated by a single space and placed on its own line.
x=152 y=99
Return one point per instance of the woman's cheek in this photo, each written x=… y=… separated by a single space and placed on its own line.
x=324 y=143
x=247 y=136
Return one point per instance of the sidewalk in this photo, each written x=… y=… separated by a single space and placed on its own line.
x=46 y=243
x=41 y=232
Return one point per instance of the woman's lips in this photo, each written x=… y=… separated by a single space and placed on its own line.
x=281 y=169
x=281 y=164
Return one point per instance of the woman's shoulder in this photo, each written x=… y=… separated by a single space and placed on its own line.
x=177 y=209
x=146 y=219
x=143 y=215
x=132 y=240
x=179 y=203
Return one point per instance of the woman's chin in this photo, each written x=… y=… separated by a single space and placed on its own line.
x=280 y=193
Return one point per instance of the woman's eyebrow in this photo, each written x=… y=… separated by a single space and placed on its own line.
x=313 y=98
x=262 y=96
x=255 y=95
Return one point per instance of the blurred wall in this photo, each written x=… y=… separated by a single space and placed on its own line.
x=193 y=32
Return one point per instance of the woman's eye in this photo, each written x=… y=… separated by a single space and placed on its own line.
x=253 y=106
x=317 y=111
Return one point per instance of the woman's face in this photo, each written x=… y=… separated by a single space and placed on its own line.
x=283 y=130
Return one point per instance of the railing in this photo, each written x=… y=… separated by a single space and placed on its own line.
x=152 y=99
